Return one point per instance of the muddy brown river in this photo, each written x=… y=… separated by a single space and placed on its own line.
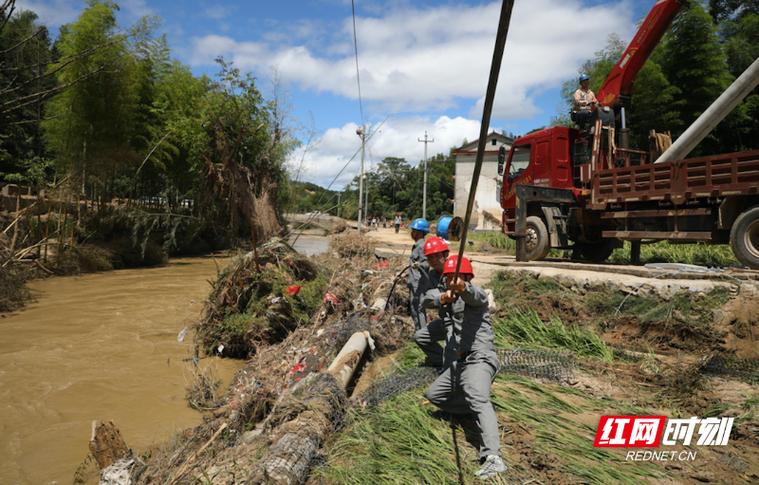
x=99 y=346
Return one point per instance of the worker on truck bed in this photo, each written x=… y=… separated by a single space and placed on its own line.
x=418 y=277
x=470 y=360
x=584 y=103
x=427 y=338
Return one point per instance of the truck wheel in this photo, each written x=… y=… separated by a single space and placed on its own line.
x=744 y=238
x=594 y=252
x=536 y=242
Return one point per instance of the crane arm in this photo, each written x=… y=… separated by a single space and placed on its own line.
x=620 y=80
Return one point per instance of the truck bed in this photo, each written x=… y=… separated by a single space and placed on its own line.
x=679 y=181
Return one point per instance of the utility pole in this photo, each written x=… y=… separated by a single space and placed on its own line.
x=339 y=194
x=360 y=132
x=366 y=194
x=424 y=190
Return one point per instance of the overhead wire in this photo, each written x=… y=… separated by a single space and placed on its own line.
x=355 y=51
x=301 y=228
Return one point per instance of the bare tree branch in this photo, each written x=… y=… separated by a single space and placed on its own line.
x=23 y=41
x=58 y=67
x=42 y=95
x=6 y=10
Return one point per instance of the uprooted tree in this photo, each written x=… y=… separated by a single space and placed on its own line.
x=242 y=153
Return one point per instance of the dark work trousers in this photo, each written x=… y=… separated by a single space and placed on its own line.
x=464 y=388
x=427 y=339
x=417 y=314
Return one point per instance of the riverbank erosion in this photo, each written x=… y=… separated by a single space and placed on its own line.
x=569 y=354
x=290 y=316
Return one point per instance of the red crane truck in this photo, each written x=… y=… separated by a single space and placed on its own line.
x=575 y=189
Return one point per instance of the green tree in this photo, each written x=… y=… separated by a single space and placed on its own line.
x=695 y=63
x=240 y=149
x=741 y=40
x=89 y=125
x=652 y=105
x=25 y=52
x=721 y=10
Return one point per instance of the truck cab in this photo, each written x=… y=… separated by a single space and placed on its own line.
x=542 y=158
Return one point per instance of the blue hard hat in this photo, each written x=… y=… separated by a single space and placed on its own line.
x=421 y=225
x=584 y=77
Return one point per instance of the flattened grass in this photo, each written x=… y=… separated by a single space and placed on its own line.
x=405 y=440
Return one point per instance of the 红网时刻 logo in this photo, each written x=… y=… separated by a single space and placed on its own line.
x=656 y=431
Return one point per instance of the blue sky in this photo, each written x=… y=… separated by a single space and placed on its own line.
x=424 y=64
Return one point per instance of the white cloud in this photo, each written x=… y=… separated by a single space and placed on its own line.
x=52 y=13
x=418 y=59
x=58 y=12
x=397 y=137
x=136 y=8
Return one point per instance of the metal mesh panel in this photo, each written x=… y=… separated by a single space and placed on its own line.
x=743 y=369
x=398 y=383
x=538 y=364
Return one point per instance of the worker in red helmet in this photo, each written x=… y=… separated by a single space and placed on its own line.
x=470 y=360
x=427 y=338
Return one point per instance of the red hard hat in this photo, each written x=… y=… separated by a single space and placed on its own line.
x=435 y=245
x=450 y=266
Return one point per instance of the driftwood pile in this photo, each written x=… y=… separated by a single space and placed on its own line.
x=286 y=401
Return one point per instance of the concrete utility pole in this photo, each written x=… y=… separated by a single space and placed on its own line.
x=424 y=190
x=361 y=133
x=366 y=195
x=709 y=119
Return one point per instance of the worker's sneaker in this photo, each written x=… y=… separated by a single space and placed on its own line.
x=492 y=466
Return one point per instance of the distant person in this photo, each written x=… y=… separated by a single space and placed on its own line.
x=584 y=103
x=397 y=223
x=418 y=272
x=384 y=222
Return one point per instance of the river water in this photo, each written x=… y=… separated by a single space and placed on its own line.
x=101 y=346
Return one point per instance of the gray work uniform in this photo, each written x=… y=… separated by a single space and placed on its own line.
x=427 y=338
x=470 y=364
x=418 y=283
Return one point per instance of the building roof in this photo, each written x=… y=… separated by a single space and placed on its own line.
x=471 y=147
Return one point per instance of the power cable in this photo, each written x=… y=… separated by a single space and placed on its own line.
x=495 y=69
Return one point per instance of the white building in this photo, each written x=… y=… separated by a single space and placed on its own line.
x=486 y=214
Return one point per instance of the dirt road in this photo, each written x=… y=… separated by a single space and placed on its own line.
x=632 y=278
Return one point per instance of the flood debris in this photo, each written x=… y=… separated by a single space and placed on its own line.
x=253 y=302
x=202 y=392
x=290 y=339
x=107 y=444
x=350 y=244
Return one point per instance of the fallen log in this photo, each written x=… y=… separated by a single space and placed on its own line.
x=324 y=399
x=106 y=444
